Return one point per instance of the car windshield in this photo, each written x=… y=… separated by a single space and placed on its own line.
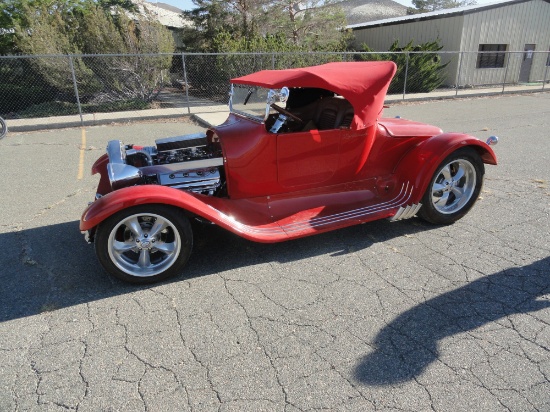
x=249 y=100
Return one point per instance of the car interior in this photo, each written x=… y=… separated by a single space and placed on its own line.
x=317 y=109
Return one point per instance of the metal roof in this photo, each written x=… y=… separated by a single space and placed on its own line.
x=457 y=11
x=168 y=7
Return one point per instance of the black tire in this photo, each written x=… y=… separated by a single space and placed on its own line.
x=461 y=172
x=3 y=128
x=144 y=244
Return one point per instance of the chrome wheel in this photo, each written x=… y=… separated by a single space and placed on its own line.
x=453 y=186
x=144 y=244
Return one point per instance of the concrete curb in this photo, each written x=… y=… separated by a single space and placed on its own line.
x=463 y=95
x=29 y=127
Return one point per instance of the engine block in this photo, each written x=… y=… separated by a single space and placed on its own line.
x=184 y=162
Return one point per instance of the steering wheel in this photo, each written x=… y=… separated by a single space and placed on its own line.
x=286 y=112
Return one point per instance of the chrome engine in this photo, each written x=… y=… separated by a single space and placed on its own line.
x=186 y=162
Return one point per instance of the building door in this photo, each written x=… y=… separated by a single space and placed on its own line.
x=527 y=62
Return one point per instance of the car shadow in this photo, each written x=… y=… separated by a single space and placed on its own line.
x=51 y=267
x=409 y=344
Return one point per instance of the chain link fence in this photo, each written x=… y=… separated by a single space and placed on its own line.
x=44 y=86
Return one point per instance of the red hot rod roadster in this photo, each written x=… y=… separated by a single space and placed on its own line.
x=303 y=151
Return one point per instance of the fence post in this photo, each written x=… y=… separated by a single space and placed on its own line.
x=506 y=72
x=546 y=71
x=185 y=83
x=406 y=74
x=461 y=57
x=76 y=89
x=273 y=61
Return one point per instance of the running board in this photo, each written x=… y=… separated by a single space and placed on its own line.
x=405 y=212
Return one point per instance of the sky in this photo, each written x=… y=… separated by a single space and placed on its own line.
x=182 y=4
x=188 y=4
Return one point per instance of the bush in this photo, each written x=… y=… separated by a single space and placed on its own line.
x=20 y=87
x=425 y=70
x=47 y=109
x=21 y=97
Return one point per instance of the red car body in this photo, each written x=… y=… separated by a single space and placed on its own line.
x=298 y=181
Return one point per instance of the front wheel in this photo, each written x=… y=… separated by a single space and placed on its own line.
x=144 y=244
x=454 y=187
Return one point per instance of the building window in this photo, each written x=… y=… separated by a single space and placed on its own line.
x=492 y=57
x=548 y=58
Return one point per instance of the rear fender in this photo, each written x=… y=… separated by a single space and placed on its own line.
x=223 y=212
x=419 y=164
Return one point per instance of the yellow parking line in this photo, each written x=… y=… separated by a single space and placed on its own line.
x=81 y=161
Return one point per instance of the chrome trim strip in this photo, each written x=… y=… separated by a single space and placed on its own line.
x=405 y=212
x=416 y=209
x=398 y=215
x=401 y=198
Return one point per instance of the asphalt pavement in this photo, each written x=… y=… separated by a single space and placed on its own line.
x=378 y=317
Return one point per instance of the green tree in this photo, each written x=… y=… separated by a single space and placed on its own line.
x=212 y=17
x=235 y=63
x=138 y=71
x=15 y=13
x=313 y=25
x=50 y=31
x=28 y=81
x=93 y=29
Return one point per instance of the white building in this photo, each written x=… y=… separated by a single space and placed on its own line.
x=496 y=29
x=169 y=16
x=362 y=11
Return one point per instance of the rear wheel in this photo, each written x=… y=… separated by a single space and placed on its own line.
x=454 y=187
x=144 y=244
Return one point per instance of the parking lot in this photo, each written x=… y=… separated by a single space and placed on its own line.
x=384 y=316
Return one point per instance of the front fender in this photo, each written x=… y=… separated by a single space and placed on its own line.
x=127 y=197
x=420 y=163
x=237 y=216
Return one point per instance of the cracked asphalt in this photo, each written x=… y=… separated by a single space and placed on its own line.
x=379 y=317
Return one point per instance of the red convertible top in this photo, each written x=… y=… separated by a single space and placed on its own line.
x=363 y=84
